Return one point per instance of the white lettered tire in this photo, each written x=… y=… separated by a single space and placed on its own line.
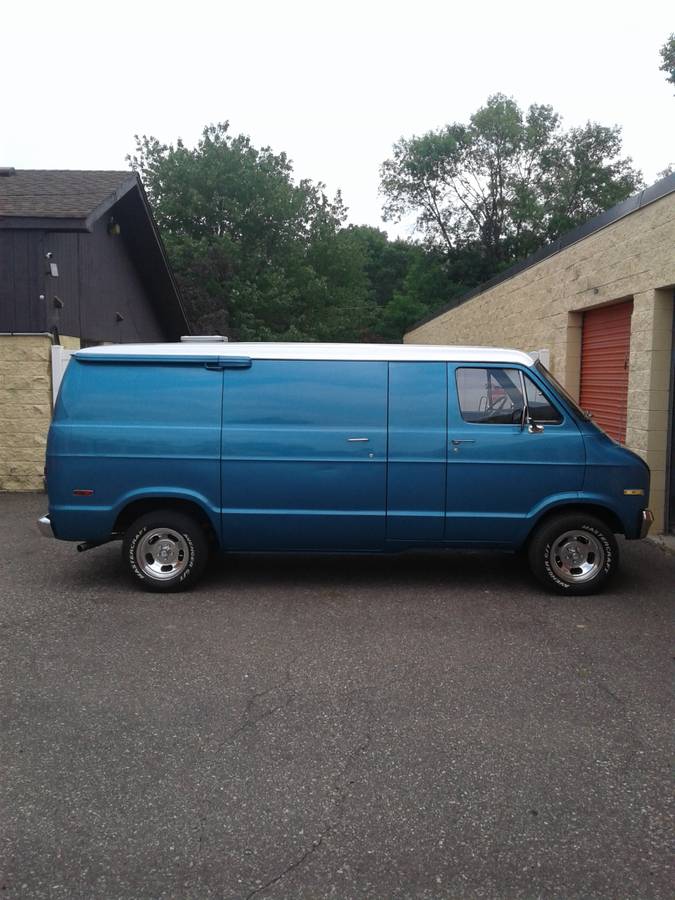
x=573 y=553
x=165 y=550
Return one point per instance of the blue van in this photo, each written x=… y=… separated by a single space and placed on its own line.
x=182 y=449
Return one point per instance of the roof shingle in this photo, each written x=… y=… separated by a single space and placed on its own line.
x=57 y=194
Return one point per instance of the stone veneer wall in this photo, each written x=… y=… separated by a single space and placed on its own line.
x=542 y=307
x=25 y=408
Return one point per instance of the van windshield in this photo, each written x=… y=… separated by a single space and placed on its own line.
x=553 y=381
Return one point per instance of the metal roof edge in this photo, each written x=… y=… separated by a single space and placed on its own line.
x=162 y=250
x=656 y=191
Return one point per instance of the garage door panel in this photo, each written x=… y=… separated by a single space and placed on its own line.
x=605 y=349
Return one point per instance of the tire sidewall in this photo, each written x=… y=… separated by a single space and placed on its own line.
x=194 y=565
x=540 y=552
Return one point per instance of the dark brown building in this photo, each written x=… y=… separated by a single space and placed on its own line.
x=80 y=252
x=81 y=263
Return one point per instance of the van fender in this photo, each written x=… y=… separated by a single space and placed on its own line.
x=159 y=494
x=580 y=498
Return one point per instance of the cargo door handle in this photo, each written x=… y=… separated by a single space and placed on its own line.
x=358 y=440
x=456 y=442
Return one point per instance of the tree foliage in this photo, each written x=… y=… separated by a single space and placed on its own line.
x=257 y=255
x=506 y=182
x=668 y=59
x=260 y=255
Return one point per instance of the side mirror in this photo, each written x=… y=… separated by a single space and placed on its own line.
x=533 y=427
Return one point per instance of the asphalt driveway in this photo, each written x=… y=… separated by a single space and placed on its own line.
x=387 y=727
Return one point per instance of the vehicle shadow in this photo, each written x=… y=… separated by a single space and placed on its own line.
x=466 y=571
x=103 y=567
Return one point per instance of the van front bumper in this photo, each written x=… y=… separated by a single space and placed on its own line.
x=45 y=527
x=647 y=522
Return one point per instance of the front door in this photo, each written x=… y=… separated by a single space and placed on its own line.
x=499 y=472
x=304 y=462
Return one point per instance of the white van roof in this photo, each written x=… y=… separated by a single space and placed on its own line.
x=382 y=352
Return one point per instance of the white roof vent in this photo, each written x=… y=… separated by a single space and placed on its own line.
x=203 y=338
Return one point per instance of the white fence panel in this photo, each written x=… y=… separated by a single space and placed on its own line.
x=60 y=360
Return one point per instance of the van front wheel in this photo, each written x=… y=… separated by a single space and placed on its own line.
x=573 y=554
x=165 y=550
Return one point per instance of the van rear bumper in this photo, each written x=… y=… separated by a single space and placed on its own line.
x=45 y=527
x=647 y=522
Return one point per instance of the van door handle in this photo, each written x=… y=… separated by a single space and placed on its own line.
x=358 y=440
x=455 y=442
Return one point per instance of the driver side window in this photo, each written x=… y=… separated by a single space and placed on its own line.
x=490 y=396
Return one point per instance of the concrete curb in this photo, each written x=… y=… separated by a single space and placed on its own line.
x=665 y=542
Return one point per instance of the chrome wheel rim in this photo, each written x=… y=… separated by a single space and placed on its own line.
x=162 y=553
x=576 y=556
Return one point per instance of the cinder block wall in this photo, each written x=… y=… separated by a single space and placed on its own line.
x=542 y=308
x=25 y=408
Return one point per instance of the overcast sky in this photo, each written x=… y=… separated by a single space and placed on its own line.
x=334 y=84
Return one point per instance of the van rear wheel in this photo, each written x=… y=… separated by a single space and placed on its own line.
x=573 y=554
x=165 y=550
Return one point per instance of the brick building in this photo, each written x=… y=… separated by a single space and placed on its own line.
x=81 y=263
x=600 y=301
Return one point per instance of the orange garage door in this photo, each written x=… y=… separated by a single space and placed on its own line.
x=605 y=346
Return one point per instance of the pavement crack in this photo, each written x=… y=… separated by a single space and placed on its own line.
x=202 y=829
x=294 y=865
x=341 y=793
x=251 y=723
x=607 y=690
x=251 y=720
x=270 y=690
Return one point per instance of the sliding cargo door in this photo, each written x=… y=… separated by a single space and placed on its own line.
x=417 y=451
x=304 y=455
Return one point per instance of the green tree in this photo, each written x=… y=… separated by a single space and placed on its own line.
x=406 y=280
x=668 y=59
x=429 y=284
x=506 y=182
x=386 y=262
x=258 y=256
